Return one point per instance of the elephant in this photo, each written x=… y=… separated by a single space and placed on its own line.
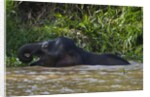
x=62 y=52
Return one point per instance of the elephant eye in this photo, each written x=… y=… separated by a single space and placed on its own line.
x=45 y=45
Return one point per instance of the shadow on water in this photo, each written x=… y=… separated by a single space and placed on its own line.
x=76 y=79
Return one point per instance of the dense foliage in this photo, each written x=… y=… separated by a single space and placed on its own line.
x=96 y=28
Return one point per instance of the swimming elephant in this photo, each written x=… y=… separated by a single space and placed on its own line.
x=62 y=52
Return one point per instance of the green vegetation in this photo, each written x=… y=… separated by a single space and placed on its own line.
x=96 y=28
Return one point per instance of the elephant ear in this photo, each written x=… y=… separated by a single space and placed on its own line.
x=25 y=54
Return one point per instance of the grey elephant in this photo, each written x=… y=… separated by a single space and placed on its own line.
x=62 y=52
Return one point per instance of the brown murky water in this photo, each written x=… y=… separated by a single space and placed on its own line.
x=23 y=81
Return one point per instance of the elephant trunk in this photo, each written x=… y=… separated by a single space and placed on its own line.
x=26 y=52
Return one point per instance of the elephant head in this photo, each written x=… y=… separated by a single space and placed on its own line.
x=52 y=52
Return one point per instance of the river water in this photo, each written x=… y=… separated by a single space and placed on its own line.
x=24 y=81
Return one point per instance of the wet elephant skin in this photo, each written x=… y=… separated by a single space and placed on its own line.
x=62 y=52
